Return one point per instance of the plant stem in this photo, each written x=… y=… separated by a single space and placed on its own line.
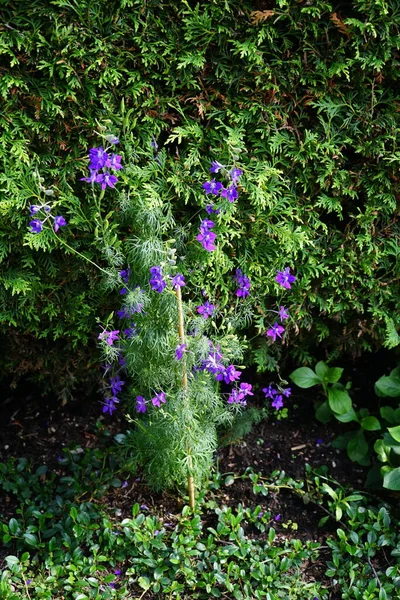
x=181 y=332
x=81 y=255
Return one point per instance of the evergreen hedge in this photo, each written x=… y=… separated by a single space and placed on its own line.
x=303 y=95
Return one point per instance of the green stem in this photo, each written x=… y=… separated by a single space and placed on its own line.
x=81 y=255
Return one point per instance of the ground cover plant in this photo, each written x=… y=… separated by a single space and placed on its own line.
x=302 y=93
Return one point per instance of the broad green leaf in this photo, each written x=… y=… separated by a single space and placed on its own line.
x=389 y=386
x=387 y=413
x=391 y=478
x=13 y=526
x=370 y=423
x=395 y=432
x=382 y=451
x=347 y=417
x=321 y=370
x=324 y=413
x=357 y=448
x=339 y=401
x=305 y=377
x=334 y=374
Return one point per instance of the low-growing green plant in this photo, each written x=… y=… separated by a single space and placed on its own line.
x=380 y=433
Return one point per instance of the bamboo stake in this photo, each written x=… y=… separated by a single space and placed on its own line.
x=181 y=332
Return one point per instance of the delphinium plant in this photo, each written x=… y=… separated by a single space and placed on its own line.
x=174 y=354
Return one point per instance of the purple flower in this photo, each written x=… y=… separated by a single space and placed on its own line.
x=36 y=226
x=111 y=336
x=122 y=361
x=213 y=364
x=59 y=222
x=236 y=397
x=157 y=282
x=34 y=208
x=206 y=225
x=244 y=284
x=117 y=571
x=158 y=399
x=319 y=442
x=116 y=384
x=230 y=374
x=215 y=167
x=178 y=281
x=207 y=240
x=143 y=506
x=269 y=391
x=109 y=405
x=245 y=388
x=92 y=177
x=209 y=208
x=230 y=193
x=106 y=179
x=112 y=139
x=179 y=351
x=140 y=404
x=123 y=485
x=235 y=174
x=284 y=278
x=154 y=144
x=212 y=187
x=28 y=581
x=125 y=274
x=275 y=330
x=277 y=402
x=114 y=162
x=130 y=331
x=112 y=586
x=98 y=158
x=206 y=309
x=282 y=313
x=278 y=518
x=287 y=392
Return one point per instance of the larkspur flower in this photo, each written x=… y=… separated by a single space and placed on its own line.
x=287 y=392
x=236 y=397
x=275 y=330
x=143 y=506
x=235 y=174
x=282 y=313
x=36 y=226
x=212 y=187
x=92 y=177
x=59 y=221
x=122 y=360
x=285 y=278
x=111 y=336
x=244 y=284
x=246 y=388
x=230 y=193
x=112 y=139
x=209 y=208
x=177 y=281
x=140 y=404
x=278 y=518
x=206 y=225
x=277 y=402
x=109 y=405
x=116 y=384
x=206 y=309
x=118 y=571
x=215 y=166
x=33 y=209
x=207 y=240
x=157 y=282
x=154 y=144
x=125 y=274
x=106 y=179
x=131 y=331
x=159 y=399
x=98 y=158
x=180 y=351
x=269 y=391
x=230 y=374
x=114 y=162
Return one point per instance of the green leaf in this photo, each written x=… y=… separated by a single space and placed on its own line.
x=334 y=374
x=339 y=401
x=305 y=377
x=347 y=417
x=30 y=539
x=13 y=526
x=144 y=583
x=387 y=413
x=395 y=432
x=389 y=386
x=382 y=450
x=229 y=480
x=391 y=478
x=12 y=560
x=357 y=448
x=370 y=423
x=321 y=370
x=323 y=412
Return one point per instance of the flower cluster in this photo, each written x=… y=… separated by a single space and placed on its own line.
x=158 y=283
x=244 y=284
x=276 y=395
x=285 y=279
x=206 y=309
x=207 y=237
x=100 y=164
x=36 y=225
x=158 y=399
